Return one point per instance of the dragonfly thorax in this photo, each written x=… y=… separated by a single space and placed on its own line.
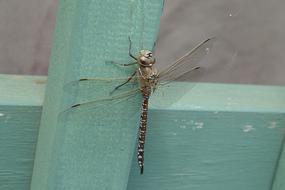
x=148 y=78
x=146 y=58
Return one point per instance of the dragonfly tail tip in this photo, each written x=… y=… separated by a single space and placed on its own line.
x=141 y=170
x=75 y=105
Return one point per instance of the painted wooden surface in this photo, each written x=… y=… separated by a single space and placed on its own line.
x=219 y=138
x=279 y=182
x=232 y=140
x=89 y=33
x=20 y=110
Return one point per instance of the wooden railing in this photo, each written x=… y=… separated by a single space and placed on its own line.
x=215 y=136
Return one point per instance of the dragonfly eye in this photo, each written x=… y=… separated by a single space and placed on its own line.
x=148 y=55
x=146 y=61
x=146 y=58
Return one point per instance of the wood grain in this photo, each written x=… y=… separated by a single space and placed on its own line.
x=21 y=100
x=87 y=35
x=201 y=145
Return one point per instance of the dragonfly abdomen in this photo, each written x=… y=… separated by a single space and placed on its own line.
x=142 y=132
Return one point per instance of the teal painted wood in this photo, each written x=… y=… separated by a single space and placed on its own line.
x=20 y=110
x=214 y=137
x=279 y=182
x=192 y=147
x=223 y=97
x=210 y=151
x=19 y=90
x=89 y=33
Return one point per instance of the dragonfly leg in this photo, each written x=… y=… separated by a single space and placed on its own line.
x=129 y=64
x=128 y=80
x=195 y=68
x=153 y=47
x=130 y=47
x=122 y=64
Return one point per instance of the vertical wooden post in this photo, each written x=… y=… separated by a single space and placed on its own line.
x=279 y=183
x=91 y=149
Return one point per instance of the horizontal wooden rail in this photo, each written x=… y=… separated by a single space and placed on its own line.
x=21 y=99
x=215 y=136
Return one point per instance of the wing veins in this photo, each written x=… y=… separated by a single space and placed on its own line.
x=177 y=64
x=119 y=96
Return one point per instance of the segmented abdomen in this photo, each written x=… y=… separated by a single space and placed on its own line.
x=142 y=131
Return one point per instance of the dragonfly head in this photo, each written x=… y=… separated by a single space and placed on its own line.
x=146 y=58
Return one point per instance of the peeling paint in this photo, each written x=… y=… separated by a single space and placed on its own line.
x=190 y=122
x=248 y=128
x=198 y=125
x=196 y=107
x=272 y=125
x=18 y=77
x=40 y=81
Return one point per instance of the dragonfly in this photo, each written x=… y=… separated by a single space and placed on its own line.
x=148 y=79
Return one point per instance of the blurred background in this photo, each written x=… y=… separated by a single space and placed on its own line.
x=249 y=37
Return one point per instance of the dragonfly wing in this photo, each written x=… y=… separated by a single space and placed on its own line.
x=187 y=63
x=169 y=93
x=88 y=105
x=97 y=91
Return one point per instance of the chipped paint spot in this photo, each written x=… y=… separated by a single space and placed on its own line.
x=272 y=125
x=197 y=107
x=216 y=112
x=248 y=128
x=229 y=99
x=199 y=125
x=40 y=81
x=18 y=77
x=231 y=103
x=190 y=122
x=174 y=134
x=2 y=114
x=183 y=126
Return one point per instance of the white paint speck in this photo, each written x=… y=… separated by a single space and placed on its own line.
x=248 y=128
x=2 y=114
x=199 y=125
x=175 y=120
x=196 y=107
x=272 y=125
x=216 y=112
x=231 y=103
x=183 y=126
x=190 y=122
x=174 y=134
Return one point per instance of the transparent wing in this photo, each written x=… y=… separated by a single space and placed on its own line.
x=168 y=94
x=187 y=63
x=95 y=92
